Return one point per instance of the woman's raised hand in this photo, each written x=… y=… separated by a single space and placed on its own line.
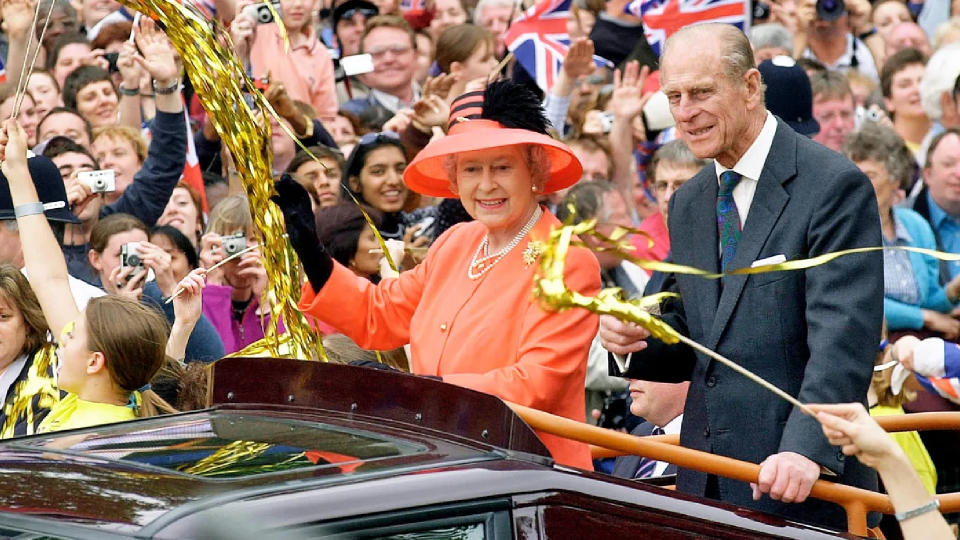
x=13 y=151
x=126 y=281
x=157 y=54
x=188 y=305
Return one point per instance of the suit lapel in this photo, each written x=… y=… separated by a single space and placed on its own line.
x=705 y=250
x=769 y=199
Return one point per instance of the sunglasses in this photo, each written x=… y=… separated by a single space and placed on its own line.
x=378 y=137
x=366 y=12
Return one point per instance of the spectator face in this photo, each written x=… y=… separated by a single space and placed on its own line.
x=883 y=185
x=658 y=403
x=393 y=59
x=363 y=262
x=178 y=260
x=479 y=64
x=669 y=177
x=95 y=10
x=71 y=164
x=768 y=53
x=97 y=102
x=69 y=59
x=496 y=19
x=105 y=263
x=890 y=14
x=240 y=277
x=13 y=331
x=297 y=14
x=494 y=187
x=836 y=118
x=64 y=124
x=424 y=57
x=905 y=97
x=381 y=179
x=10 y=247
x=943 y=174
x=907 y=35
x=60 y=23
x=27 y=116
x=580 y=23
x=182 y=214
x=385 y=7
x=44 y=91
x=282 y=145
x=349 y=32
x=326 y=181
x=709 y=108
x=73 y=354
x=446 y=13
x=341 y=130
x=596 y=166
x=117 y=154
x=617 y=215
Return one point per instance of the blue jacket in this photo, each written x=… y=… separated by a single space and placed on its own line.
x=926 y=271
x=204 y=344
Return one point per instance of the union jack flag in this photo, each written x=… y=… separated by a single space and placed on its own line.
x=3 y=72
x=661 y=18
x=538 y=39
x=413 y=6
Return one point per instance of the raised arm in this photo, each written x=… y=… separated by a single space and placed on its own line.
x=44 y=260
x=627 y=103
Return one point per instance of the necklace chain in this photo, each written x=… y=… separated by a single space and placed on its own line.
x=484 y=263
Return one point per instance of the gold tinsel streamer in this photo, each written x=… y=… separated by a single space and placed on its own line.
x=220 y=82
x=38 y=391
x=226 y=456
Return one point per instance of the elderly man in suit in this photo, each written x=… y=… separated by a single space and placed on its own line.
x=770 y=195
x=661 y=405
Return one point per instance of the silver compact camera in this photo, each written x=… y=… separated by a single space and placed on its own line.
x=233 y=244
x=103 y=181
x=130 y=255
x=261 y=13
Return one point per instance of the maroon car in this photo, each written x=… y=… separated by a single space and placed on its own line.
x=296 y=449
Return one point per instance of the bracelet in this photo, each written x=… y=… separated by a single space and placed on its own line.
x=166 y=91
x=28 y=209
x=918 y=511
x=148 y=96
x=128 y=91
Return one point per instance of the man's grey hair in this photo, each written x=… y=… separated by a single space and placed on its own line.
x=773 y=35
x=737 y=55
x=484 y=4
x=940 y=75
x=676 y=153
x=874 y=142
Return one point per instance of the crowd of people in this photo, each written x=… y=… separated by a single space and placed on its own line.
x=798 y=137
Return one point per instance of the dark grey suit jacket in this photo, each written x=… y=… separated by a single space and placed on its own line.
x=812 y=333
x=626 y=466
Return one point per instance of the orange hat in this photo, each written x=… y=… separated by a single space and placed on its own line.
x=476 y=126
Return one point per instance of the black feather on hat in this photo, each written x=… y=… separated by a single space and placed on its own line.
x=513 y=105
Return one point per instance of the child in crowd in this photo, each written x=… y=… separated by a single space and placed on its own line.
x=109 y=351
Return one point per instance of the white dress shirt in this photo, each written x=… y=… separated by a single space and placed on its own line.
x=672 y=428
x=749 y=167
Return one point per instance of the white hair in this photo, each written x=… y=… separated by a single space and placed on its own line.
x=484 y=4
x=773 y=35
x=940 y=75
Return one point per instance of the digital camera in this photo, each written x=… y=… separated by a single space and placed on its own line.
x=103 y=181
x=830 y=10
x=130 y=256
x=261 y=13
x=234 y=243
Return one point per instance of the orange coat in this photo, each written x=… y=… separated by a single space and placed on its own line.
x=487 y=334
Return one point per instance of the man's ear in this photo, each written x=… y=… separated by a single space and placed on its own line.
x=96 y=363
x=94 y=259
x=754 y=87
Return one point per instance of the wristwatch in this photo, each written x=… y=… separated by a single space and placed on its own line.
x=166 y=91
x=128 y=91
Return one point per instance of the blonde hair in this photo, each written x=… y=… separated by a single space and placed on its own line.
x=230 y=215
x=124 y=133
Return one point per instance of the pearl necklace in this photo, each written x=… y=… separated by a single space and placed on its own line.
x=486 y=262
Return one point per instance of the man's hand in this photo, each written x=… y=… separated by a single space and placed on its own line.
x=439 y=86
x=786 y=477
x=430 y=111
x=619 y=337
x=941 y=322
x=399 y=122
x=130 y=71
x=579 y=59
x=17 y=18
x=157 y=52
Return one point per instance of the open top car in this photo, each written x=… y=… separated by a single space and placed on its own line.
x=293 y=449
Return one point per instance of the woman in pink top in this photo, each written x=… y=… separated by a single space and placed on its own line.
x=306 y=70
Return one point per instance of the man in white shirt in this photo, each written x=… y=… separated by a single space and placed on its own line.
x=661 y=405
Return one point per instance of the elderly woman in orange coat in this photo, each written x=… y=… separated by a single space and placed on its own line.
x=467 y=310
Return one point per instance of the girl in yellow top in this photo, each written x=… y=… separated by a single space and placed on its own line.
x=113 y=347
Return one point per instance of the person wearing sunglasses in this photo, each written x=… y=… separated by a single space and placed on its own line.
x=467 y=310
x=349 y=20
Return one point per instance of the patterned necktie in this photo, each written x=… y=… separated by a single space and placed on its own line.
x=728 y=219
x=646 y=466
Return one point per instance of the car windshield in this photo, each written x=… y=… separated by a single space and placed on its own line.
x=227 y=446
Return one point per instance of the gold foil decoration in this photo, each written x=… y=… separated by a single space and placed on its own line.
x=40 y=386
x=220 y=82
x=226 y=456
